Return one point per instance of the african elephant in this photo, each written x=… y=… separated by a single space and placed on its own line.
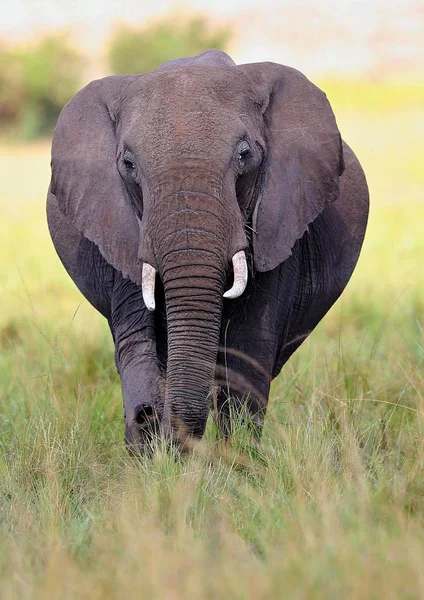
x=169 y=188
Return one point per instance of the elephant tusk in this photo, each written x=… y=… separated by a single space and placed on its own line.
x=240 y=276
x=148 y=278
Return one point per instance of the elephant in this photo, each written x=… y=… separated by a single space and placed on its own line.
x=212 y=214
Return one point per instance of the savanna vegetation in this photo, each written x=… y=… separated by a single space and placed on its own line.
x=35 y=82
x=332 y=503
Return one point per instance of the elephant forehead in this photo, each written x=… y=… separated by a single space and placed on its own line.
x=219 y=84
x=196 y=134
x=187 y=99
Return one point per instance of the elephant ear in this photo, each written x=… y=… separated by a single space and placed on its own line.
x=304 y=160
x=85 y=177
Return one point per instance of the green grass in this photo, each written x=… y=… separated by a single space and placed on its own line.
x=331 y=506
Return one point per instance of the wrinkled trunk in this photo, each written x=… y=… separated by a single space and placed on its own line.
x=190 y=244
x=194 y=318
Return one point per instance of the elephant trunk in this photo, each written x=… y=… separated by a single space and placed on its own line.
x=193 y=307
x=191 y=247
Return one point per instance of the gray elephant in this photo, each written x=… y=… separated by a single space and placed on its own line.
x=171 y=187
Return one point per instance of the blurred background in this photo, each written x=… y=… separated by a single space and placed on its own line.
x=49 y=49
x=367 y=56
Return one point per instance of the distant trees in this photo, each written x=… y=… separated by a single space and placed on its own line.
x=35 y=82
x=140 y=50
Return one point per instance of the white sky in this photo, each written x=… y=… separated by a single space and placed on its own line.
x=312 y=35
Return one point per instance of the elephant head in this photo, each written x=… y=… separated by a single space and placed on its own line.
x=178 y=173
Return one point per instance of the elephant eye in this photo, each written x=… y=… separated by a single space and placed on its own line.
x=243 y=153
x=129 y=164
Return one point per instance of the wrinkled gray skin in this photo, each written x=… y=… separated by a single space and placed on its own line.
x=149 y=168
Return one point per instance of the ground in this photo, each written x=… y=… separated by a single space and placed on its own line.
x=330 y=506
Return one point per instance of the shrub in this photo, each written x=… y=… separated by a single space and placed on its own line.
x=11 y=85
x=35 y=83
x=137 y=51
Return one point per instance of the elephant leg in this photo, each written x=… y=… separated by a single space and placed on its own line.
x=249 y=342
x=244 y=372
x=142 y=377
x=252 y=334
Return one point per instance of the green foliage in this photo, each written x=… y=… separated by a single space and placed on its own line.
x=35 y=83
x=139 y=51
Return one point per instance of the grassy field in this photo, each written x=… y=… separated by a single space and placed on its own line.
x=332 y=506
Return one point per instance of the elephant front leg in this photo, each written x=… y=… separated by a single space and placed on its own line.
x=250 y=339
x=142 y=378
x=243 y=377
x=143 y=395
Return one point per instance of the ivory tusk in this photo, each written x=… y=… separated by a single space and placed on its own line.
x=148 y=278
x=240 y=276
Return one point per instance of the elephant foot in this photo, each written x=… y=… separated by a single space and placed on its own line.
x=234 y=415
x=142 y=429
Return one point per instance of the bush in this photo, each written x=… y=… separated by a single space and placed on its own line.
x=138 y=51
x=11 y=85
x=35 y=83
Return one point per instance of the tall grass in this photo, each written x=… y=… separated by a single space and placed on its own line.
x=332 y=503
